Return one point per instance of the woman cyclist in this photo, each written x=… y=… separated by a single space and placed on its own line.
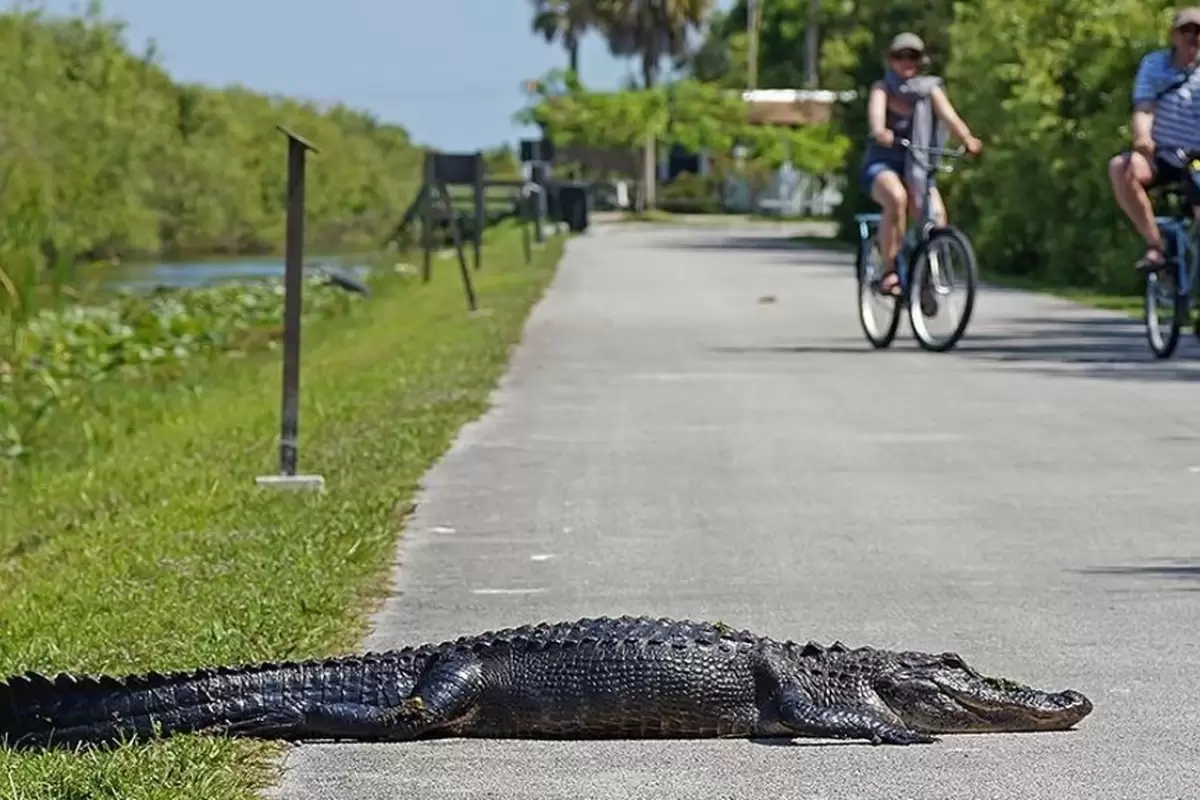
x=890 y=107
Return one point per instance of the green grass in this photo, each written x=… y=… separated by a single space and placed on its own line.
x=160 y=553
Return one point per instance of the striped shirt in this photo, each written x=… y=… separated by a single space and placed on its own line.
x=1177 y=113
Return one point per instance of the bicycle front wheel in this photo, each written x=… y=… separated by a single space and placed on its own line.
x=1165 y=309
x=878 y=313
x=943 y=264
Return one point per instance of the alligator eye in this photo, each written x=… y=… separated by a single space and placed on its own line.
x=954 y=661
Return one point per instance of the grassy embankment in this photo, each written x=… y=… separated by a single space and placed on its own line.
x=153 y=549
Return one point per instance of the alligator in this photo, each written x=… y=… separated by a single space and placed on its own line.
x=627 y=677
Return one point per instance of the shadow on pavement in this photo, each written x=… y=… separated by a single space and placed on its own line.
x=1092 y=347
x=1095 y=347
x=1178 y=569
x=812 y=349
x=799 y=741
x=778 y=242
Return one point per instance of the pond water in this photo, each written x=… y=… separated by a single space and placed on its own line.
x=175 y=274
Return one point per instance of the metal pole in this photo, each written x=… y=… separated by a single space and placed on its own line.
x=293 y=281
x=427 y=217
x=526 y=245
x=444 y=193
x=293 y=288
x=480 y=208
x=539 y=215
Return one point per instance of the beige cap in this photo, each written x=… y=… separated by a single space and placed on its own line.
x=907 y=41
x=1186 y=16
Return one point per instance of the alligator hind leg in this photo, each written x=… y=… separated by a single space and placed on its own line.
x=799 y=713
x=281 y=723
x=444 y=693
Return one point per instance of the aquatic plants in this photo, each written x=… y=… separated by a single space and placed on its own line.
x=66 y=359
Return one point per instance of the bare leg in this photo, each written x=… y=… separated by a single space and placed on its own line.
x=888 y=191
x=938 y=208
x=1129 y=176
x=938 y=215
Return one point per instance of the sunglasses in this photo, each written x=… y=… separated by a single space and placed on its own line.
x=1191 y=29
x=907 y=55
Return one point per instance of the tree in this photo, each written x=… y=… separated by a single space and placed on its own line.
x=103 y=155
x=1049 y=95
x=565 y=20
x=699 y=116
x=650 y=30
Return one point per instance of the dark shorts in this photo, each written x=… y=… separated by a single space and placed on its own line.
x=1168 y=174
x=872 y=169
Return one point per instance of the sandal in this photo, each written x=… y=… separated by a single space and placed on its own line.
x=1147 y=263
x=889 y=284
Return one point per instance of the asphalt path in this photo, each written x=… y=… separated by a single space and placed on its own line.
x=694 y=426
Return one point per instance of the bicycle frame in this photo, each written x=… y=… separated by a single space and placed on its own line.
x=1182 y=230
x=918 y=229
x=1181 y=235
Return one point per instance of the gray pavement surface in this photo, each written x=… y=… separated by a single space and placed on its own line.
x=666 y=444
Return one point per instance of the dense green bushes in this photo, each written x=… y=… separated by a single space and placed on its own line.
x=1051 y=96
x=1046 y=85
x=102 y=154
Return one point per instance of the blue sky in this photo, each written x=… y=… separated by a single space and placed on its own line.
x=455 y=93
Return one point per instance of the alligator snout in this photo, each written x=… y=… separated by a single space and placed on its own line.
x=1074 y=704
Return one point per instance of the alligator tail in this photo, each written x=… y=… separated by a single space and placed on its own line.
x=65 y=710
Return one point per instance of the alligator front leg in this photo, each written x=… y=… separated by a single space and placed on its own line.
x=443 y=694
x=798 y=712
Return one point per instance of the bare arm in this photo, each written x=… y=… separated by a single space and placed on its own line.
x=1143 y=119
x=876 y=110
x=1145 y=97
x=946 y=113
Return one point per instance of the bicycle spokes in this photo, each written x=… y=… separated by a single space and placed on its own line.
x=944 y=290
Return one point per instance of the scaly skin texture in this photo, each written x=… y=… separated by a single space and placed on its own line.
x=592 y=678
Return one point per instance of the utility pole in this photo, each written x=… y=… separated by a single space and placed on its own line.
x=811 y=40
x=753 y=15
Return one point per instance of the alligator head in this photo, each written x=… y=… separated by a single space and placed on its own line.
x=943 y=694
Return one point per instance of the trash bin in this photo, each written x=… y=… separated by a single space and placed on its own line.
x=574 y=201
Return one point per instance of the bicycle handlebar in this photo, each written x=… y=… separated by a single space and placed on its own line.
x=941 y=151
x=907 y=144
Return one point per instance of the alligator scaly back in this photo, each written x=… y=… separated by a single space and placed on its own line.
x=632 y=677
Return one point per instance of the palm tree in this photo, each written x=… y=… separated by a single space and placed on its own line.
x=565 y=20
x=650 y=30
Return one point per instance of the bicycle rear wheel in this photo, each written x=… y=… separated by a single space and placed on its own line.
x=943 y=262
x=878 y=313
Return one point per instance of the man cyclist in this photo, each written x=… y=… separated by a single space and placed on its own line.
x=1166 y=117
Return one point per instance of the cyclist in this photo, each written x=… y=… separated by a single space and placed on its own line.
x=1166 y=116
x=891 y=105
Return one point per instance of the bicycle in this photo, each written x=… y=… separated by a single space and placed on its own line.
x=1174 y=283
x=920 y=266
